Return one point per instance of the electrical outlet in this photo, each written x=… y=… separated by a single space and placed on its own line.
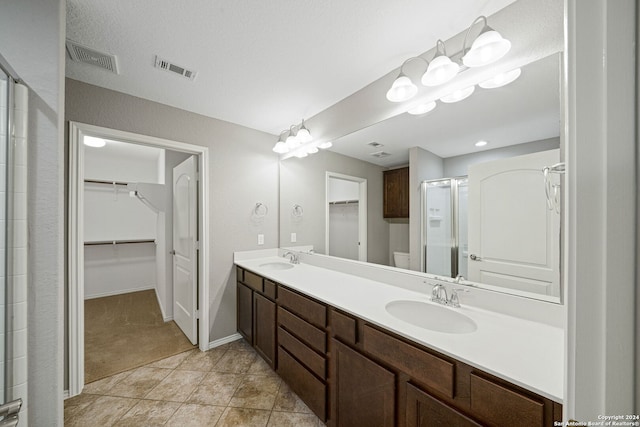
x=294 y=238
x=261 y=239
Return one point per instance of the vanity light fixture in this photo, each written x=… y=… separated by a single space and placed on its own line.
x=441 y=69
x=422 y=108
x=488 y=46
x=292 y=140
x=303 y=134
x=281 y=145
x=92 y=141
x=325 y=145
x=501 y=79
x=481 y=143
x=458 y=95
x=312 y=149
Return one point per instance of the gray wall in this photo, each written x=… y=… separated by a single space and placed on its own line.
x=32 y=40
x=302 y=181
x=243 y=169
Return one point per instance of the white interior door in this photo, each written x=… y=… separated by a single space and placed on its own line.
x=185 y=251
x=514 y=239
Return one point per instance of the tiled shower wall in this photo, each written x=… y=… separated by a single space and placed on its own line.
x=16 y=267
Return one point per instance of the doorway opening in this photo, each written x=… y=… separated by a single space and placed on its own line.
x=346 y=216
x=138 y=231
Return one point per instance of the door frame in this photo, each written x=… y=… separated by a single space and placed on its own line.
x=75 y=236
x=362 y=211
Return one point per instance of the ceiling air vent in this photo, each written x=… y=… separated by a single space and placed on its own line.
x=80 y=53
x=170 y=67
x=380 y=154
x=375 y=144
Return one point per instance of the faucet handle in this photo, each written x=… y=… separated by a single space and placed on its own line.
x=454 y=300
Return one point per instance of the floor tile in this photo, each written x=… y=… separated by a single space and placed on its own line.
x=104 y=385
x=173 y=361
x=148 y=413
x=235 y=361
x=216 y=388
x=242 y=417
x=103 y=412
x=139 y=383
x=292 y=419
x=240 y=345
x=260 y=367
x=74 y=406
x=202 y=361
x=192 y=415
x=288 y=401
x=256 y=392
x=177 y=386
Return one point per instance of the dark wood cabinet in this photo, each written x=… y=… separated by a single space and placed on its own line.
x=363 y=392
x=264 y=327
x=396 y=193
x=352 y=373
x=424 y=410
x=256 y=314
x=245 y=312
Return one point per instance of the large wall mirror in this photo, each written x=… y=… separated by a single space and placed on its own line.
x=489 y=213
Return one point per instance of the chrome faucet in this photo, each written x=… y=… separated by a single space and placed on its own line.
x=436 y=294
x=294 y=258
x=453 y=301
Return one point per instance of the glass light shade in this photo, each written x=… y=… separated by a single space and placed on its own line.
x=304 y=135
x=402 y=89
x=458 y=95
x=325 y=145
x=488 y=47
x=292 y=141
x=92 y=141
x=422 y=108
x=440 y=70
x=301 y=154
x=312 y=149
x=281 y=147
x=501 y=79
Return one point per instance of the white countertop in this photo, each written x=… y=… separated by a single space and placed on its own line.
x=526 y=353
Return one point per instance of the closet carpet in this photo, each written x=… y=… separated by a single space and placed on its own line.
x=126 y=331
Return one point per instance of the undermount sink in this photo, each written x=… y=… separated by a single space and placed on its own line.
x=276 y=265
x=431 y=316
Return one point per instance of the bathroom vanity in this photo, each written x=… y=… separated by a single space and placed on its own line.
x=332 y=339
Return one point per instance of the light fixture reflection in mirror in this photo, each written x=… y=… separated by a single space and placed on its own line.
x=501 y=79
x=420 y=109
x=458 y=95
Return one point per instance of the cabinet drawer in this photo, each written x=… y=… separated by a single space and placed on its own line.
x=306 y=332
x=312 y=311
x=312 y=360
x=269 y=289
x=310 y=389
x=343 y=327
x=498 y=405
x=253 y=280
x=239 y=274
x=426 y=368
x=424 y=410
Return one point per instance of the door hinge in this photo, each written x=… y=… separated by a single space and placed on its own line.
x=197 y=314
x=197 y=245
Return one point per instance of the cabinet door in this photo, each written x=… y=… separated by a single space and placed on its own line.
x=245 y=312
x=396 y=193
x=264 y=327
x=362 y=392
x=424 y=410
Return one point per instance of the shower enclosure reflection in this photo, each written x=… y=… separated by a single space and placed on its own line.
x=444 y=227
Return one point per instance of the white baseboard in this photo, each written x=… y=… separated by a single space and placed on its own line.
x=119 y=292
x=167 y=319
x=65 y=395
x=225 y=340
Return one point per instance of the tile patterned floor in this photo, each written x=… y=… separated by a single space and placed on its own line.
x=226 y=386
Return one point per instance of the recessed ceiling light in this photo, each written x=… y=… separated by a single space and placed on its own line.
x=481 y=143
x=92 y=141
x=422 y=108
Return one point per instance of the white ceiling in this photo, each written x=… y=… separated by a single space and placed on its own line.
x=523 y=111
x=261 y=64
